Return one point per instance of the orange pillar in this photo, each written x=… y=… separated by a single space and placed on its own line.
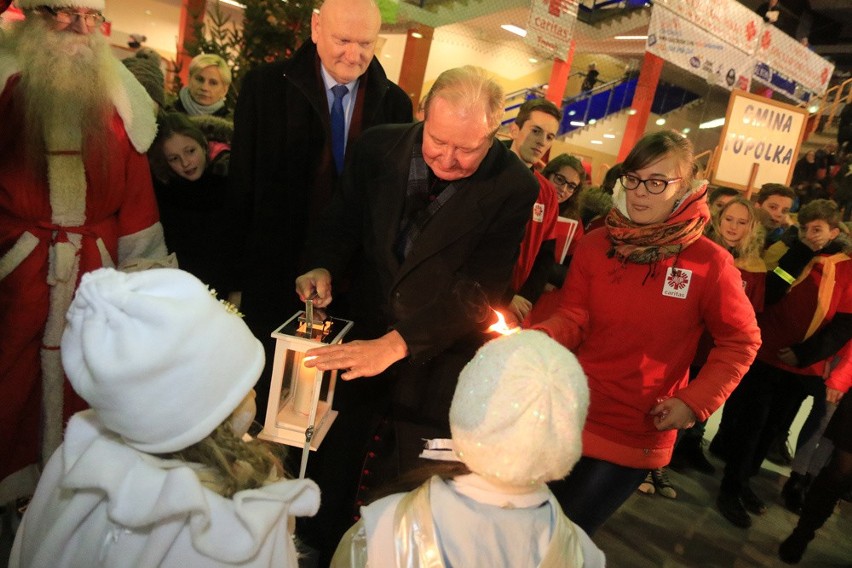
x=559 y=77
x=191 y=13
x=414 y=59
x=649 y=77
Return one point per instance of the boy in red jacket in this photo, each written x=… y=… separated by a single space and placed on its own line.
x=807 y=326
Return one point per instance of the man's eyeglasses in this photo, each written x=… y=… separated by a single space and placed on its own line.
x=654 y=186
x=69 y=16
x=560 y=181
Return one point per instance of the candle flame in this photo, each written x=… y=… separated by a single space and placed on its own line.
x=501 y=327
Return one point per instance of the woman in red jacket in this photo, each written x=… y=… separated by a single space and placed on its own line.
x=639 y=294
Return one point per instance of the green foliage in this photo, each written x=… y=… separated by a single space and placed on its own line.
x=271 y=30
x=274 y=29
x=217 y=34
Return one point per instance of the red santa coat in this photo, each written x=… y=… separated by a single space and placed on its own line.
x=541 y=227
x=635 y=329
x=43 y=254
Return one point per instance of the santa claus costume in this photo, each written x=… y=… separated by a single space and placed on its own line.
x=75 y=195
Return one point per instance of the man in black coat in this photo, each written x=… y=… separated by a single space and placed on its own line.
x=281 y=161
x=436 y=211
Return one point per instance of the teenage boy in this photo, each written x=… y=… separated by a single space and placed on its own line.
x=533 y=133
x=774 y=203
x=801 y=331
x=718 y=197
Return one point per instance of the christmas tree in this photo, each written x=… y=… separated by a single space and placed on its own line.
x=271 y=30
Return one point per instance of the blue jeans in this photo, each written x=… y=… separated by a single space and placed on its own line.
x=594 y=490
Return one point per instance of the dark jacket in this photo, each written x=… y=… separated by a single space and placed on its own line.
x=197 y=218
x=281 y=165
x=460 y=265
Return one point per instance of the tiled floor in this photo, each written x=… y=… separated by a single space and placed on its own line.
x=650 y=531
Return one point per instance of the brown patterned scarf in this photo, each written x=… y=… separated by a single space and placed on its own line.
x=648 y=244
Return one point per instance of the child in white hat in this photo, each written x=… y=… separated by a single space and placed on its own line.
x=156 y=473
x=516 y=421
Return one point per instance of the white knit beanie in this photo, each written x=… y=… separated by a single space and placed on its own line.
x=91 y=4
x=518 y=411
x=159 y=359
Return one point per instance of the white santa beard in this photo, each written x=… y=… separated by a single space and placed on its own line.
x=64 y=85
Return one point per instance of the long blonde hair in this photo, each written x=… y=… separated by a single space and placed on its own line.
x=231 y=464
x=751 y=245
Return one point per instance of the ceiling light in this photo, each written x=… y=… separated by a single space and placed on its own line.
x=632 y=111
x=233 y=3
x=631 y=38
x=515 y=30
x=660 y=121
x=596 y=141
x=572 y=112
x=712 y=123
x=416 y=35
x=609 y=135
x=577 y=123
x=592 y=120
x=813 y=108
x=687 y=130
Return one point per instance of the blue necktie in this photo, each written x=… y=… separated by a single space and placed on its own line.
x=338 y=126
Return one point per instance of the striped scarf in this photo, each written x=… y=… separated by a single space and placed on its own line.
x=648 y=244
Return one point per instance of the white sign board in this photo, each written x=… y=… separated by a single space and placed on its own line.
x=796 y=62
x=678 y=41
x=758 y=131
x=724 y=19
x=551 y=26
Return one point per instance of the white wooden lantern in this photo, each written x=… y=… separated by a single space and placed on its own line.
x=299 y=410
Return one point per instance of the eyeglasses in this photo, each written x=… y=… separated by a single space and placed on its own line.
x=560 y=181
x=69 y=16
x=654 y=186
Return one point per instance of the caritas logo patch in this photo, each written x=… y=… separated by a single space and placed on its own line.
x=538 y=212
x=677 y=282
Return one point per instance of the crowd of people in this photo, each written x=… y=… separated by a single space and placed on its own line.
x=637 y=309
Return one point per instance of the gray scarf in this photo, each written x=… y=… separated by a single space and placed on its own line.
x=193 y=108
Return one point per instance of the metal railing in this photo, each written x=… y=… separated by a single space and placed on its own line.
x=831 y=102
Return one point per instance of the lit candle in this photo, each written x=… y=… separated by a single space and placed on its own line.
x=501 y=327
x=303 y=397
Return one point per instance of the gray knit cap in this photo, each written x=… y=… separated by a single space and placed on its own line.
x=145 y=66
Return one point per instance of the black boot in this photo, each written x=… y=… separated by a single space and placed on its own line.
x=780 y=452
x=688 y=453
x=793 y=492
x=817 y=508
x=792 y=549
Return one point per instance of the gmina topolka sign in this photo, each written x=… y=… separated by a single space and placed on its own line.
x=758 y=131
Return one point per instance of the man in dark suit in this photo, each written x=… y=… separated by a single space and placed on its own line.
x=437 y=211
x=282 y=163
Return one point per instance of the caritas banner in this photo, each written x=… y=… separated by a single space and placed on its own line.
x=551 y=26
x=678 y=41
x=778 y=53
x=725 y=19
